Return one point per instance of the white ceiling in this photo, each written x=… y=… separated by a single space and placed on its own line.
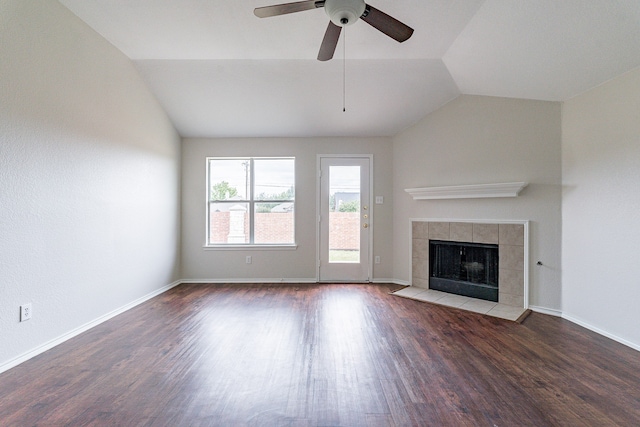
x=220 y=71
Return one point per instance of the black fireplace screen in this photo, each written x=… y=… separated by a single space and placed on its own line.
x=469 y=269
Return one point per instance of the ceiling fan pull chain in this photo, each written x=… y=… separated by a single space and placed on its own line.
x=344 y=71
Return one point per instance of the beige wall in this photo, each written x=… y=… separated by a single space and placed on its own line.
x=288 y=265
x=601 y=207
x=89 y=178
x=478 y=140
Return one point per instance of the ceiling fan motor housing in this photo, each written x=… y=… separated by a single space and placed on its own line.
x=344 y=12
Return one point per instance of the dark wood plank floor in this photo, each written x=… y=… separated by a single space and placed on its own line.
x=323 y=355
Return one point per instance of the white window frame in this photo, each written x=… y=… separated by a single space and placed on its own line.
x=251 y=201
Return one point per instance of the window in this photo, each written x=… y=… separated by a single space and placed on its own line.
x=251 y=201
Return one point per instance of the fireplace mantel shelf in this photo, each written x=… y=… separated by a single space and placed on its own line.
x=508 y=189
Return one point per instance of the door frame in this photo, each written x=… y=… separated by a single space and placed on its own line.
x=369 y=157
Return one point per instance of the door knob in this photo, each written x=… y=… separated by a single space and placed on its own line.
x=365 y=225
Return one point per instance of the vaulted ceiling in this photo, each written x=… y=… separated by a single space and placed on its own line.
x=218 y=70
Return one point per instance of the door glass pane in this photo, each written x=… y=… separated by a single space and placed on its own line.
x=344 y=214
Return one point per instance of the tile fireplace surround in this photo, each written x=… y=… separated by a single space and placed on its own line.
x=512 y=240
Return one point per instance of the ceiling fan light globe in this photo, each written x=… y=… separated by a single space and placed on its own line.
x=344 y=12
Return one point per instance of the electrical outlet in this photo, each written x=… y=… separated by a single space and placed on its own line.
x=248 y=259
x=25 y=312
x=377 y=260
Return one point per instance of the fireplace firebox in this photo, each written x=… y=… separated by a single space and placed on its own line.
x=469 y=269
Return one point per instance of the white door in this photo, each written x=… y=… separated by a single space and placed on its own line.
x=344 y=219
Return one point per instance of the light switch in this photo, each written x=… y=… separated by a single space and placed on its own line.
x=379 y=200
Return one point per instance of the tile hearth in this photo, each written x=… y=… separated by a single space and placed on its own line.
x=489 y=308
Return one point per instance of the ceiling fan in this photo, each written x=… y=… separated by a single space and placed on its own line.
x=341 y=13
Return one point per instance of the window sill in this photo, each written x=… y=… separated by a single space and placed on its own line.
x=291 y=247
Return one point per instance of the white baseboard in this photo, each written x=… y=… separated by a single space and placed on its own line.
x=392 y=281
x=285 y=281
x=77 y=331
x=600 y=331
x=251 y=281
x=278 y=280
x=544 y=310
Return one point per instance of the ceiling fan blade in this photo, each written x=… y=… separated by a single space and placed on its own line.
x=282 y=9
x=329 y=42
x=387 y=24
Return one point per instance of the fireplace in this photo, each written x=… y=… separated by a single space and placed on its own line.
x=510 y=237
x=464 y=268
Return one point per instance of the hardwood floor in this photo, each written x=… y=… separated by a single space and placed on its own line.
x=323 y=355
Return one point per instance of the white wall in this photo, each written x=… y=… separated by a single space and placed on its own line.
x=215 y=265
x=478 y=140
x=601 y=208
x=89 y=178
